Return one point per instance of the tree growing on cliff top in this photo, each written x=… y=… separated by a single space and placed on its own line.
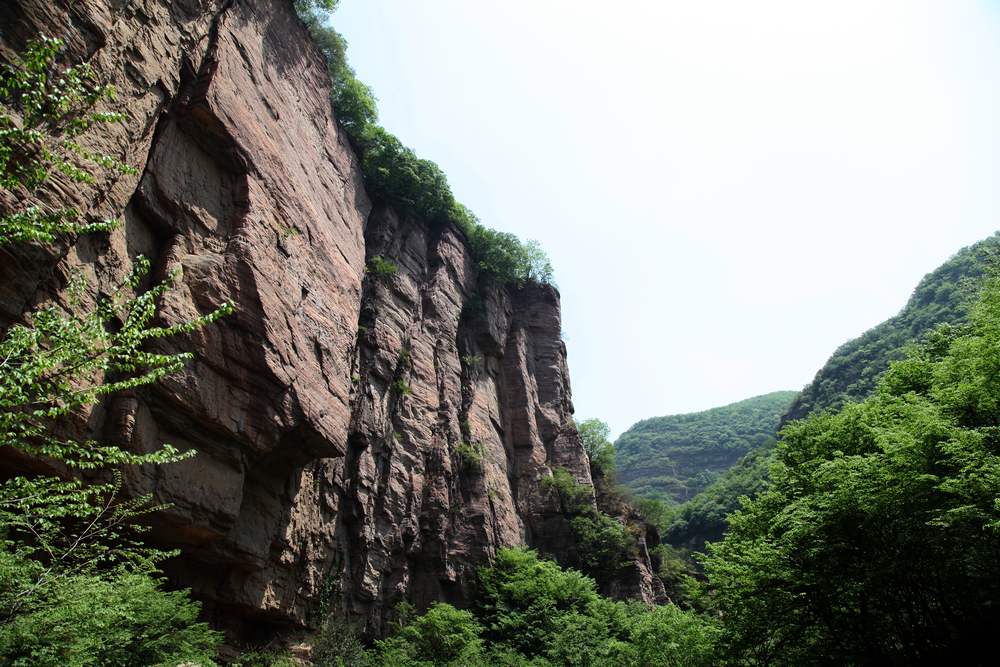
x=67 y=545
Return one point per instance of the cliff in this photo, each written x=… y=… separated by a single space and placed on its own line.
x=363 y=436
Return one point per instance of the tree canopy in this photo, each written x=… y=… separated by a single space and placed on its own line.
x=877 y=539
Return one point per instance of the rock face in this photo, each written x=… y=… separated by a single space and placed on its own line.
x=363 y=437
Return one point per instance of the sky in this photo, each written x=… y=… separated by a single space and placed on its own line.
x=728 y=190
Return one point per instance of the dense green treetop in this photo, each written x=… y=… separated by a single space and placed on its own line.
x=877 y=540
x=672 y=458
x=854 y=369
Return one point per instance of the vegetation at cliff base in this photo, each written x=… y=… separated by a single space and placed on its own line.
x=530 y=612
x=393 y=173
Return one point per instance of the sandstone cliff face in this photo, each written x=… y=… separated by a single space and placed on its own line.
x=362 y=438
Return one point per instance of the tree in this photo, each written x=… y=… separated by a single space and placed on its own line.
x=595 y=436
x=62 y=539
x=877 y=540
x=395 y=175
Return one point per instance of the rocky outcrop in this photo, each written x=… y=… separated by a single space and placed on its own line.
x=363 y=436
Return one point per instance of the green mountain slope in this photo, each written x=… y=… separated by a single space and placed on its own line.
x=942 y=296
x=851 y=373
x=673 y=458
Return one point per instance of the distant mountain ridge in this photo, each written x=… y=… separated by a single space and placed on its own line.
x=674 y=457
x=942 y=296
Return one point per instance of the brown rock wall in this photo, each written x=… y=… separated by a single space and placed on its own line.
x=363 y=437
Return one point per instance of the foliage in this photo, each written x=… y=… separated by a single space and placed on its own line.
x=338 y=645
x=850 y=374
x=943 y=296
x=471 y=455
x=380 y=267
x=595 y=436
x=443 y=635
x=75 y=581
x=573 y=497
x=678 y=572
x=123 y=621
x=877 y=540
x=603 y=543
x=44 y=111
x=264 y=657
x=394 y=174
x=703 y=518
x=673 y=458
x=529 y=611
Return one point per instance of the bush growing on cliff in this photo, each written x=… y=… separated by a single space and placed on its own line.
x=394 y=174
x=595 y=436
x=604 y=544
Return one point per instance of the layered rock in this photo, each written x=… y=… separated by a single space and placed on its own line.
x=363 y=437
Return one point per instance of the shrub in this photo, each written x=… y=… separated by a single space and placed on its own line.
x=75 y=583
x=337 y=645
x=573 y=497
x=380 y=267
x=443 y=635
x=603 y=544
x=123 y=621
x=471 y=455
x=523 y=599
x=265 y=658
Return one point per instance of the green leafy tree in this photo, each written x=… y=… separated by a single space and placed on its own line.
x=877 y=540
x=595 y=436
x=523 y=600
x=125 y=620
x=530 y=612
x=443 y=635
x=62 y=540
x=42 y=117
x=604 y=544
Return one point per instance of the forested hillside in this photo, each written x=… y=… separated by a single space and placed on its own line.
x=853 y=371
x=943 y=296
x=672 y=458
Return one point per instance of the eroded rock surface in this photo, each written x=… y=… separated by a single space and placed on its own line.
x=363 y=438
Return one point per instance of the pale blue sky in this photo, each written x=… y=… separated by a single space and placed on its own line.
x=728 y=190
